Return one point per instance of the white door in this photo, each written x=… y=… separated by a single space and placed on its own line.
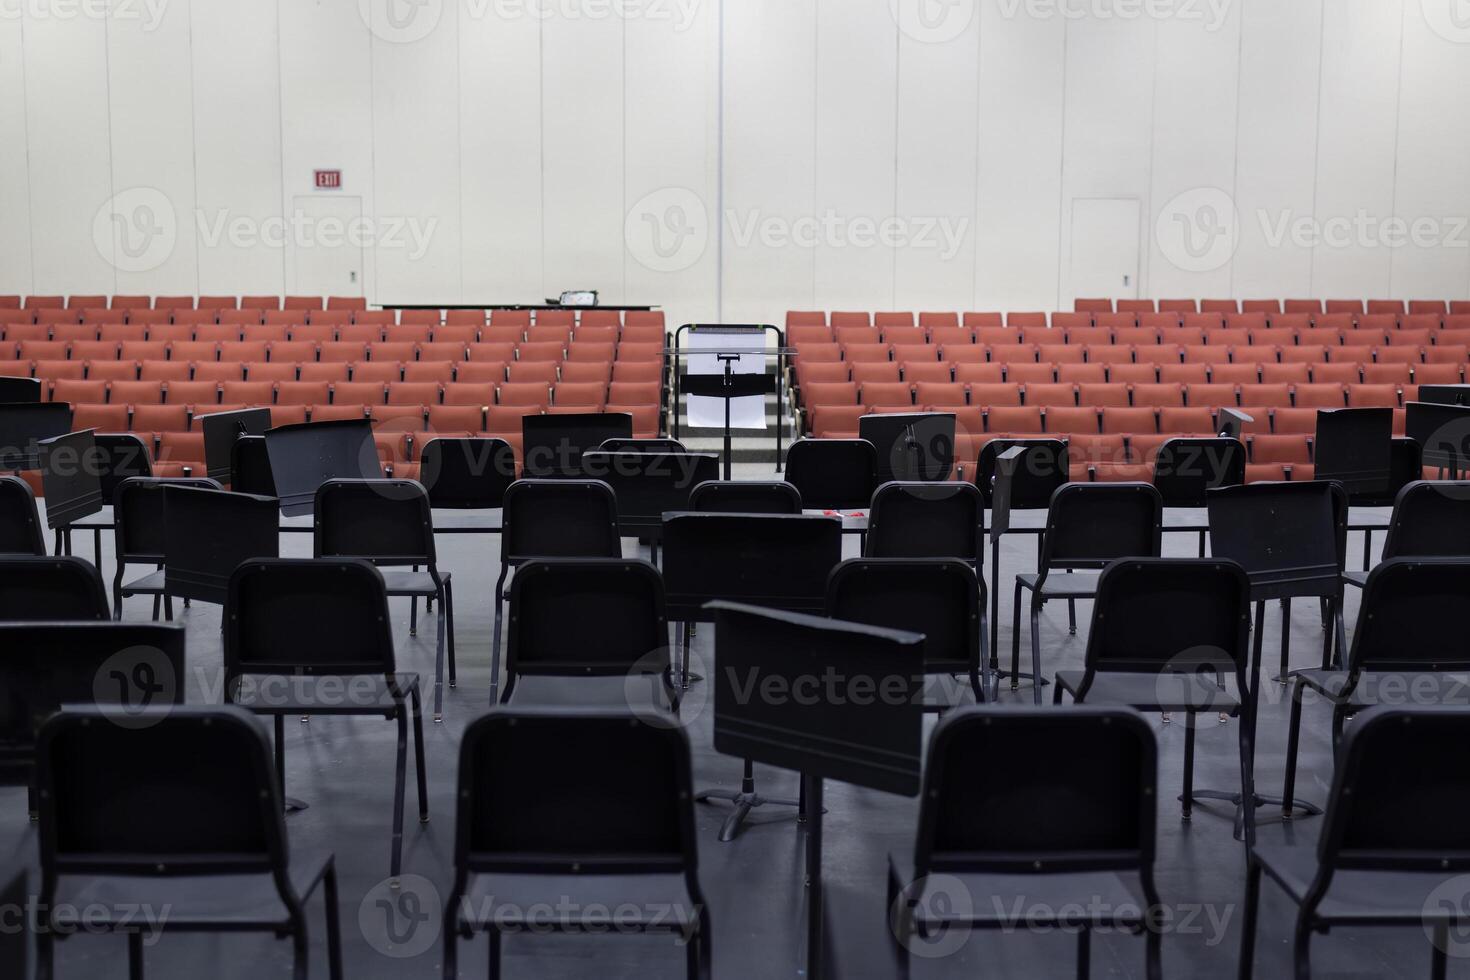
x=329 y=245
x=1104 y=263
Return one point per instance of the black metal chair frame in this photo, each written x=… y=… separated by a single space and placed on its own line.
x=1196 y=669
x=152 y=583
x=1409 y=521
x=253 y=763
x=917 y=572
x=510 y=524
x=66 y=575
x=773 y=496
x=283 y=671
x=1410 y=864
x=440 y=585
x=480 y=485
x=796 y=462
x=468 y=861
x=1068 y=510
x=19 y=502
x=909 y=876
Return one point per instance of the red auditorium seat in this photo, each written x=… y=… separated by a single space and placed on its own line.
x=1219 y=306
x=1014 y=421
x=1266 y=306
x=1082 y=373
x=1353 y=306
x=977 y=319
x=1025 y=372
x=935 y=320
x=980 y=373
x=850 y=319
x=439 y=372
x=112 y=370
x=1050 y=394
x=1184 y=373
x=1092 y=305
x=1022 y=320
x=1293 y=372
x=1311 y=307
x=579 y=393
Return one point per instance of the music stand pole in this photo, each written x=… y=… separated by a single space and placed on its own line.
x=728 y=360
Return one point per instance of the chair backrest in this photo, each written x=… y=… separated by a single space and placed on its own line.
x=126 y=666
x=746 y=497
x=1185 y=468
x=1399 y=794
x=1430 y=518
x=1089 y=525
x=467 y=474
x=1408 y=617
x=1291 y=538
x=574 y=790
x=51 y=589
x=559 y=519
x=982 y=798
x=1043 y=469
x=780 y=561
x=306 y=616
x=938 y=597
x=835 y=474
x=388 y=522
x=620 y=445
x=124 y=456
x=20 y=523
x=1170 y=616
x=587 y=616
x=138 y=525
x=645 y=486
x=183 y=790
x=917 y=519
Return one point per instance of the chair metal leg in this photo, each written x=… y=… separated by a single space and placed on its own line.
x=1246 y=965
x=291 y=805
x=1293 y=739
x=1188 y=799
x=157 y=604
x=1438 y=963
x=450 y=931
x=494 y=971
x=1301 y=948
x=1084 y=953
x=994 y=603
x=399 y=773
x=1016 y=639
x=299 y=948
x=1036 y=649
x=439 y=640
x=418 y=755
x=1153 y=962
x=334 y=922
x=135 y=956
x=1285 y=641
x=117 y=592
x=448 y=602
x=1072 y=617
x=495 y=598
x=45 y=948
x=168 y=607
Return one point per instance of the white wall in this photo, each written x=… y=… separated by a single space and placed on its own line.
x=736 y=158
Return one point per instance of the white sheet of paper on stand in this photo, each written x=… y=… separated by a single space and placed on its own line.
x=709 y=413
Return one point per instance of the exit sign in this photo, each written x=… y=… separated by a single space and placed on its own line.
x=328 y=179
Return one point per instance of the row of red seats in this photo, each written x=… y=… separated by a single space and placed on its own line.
x=142 y=301
x=205 y=395
x=1024 y=372
x=821 y=396
x=326 y=333
x=1205 y=328
x=339 y=350
x=383 y=372
x=1098 y=307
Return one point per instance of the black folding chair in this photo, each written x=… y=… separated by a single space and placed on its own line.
x=178 y=811
x=1186 y=467
x=921 y=519
x=587 y=808
x=59 y=589
x=1088 y=525
x=745 y=497
x=124 y=456
x=833 y=474
x=312 y=637
x=1067 y=825
x=551 y=519
x=390 y=523
x=20 y=522
x=139 y=536
x=466 y=474
x=942 y=598
x=1395 y=846
x=126 y=666
x=1407 y=645
x=581 y=629
x=780 y=561
x=1166 y=635
x=1430 y=519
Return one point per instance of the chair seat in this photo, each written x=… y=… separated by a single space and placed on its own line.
x=325 y=694
x=1394 y=896
x=1387 y=687
x=989 y=899
x=585 y=691
x=410 y=583
x=1359 y=579
x=192 y=901
x=1063 y=585
x=150 y=584
x=1157 y=692
x=656 y=902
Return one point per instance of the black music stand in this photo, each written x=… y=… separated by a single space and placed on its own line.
x=911 y=445
x=23 y=425
x=775 y=561
x=649 y=485
x=24 y=390
x=250 y=467
x=1354 y=448
x=221 y=429
x=727 y=386
x=1232 y=421
x=71 y=477
x=308 y=454
x=1442 y=431
x=552 y=446
x=208 y=533
x=871 y=741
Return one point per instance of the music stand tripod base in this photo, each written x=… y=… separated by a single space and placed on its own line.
x=744 y=800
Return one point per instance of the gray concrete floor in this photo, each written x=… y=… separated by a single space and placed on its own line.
x=343 y=767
